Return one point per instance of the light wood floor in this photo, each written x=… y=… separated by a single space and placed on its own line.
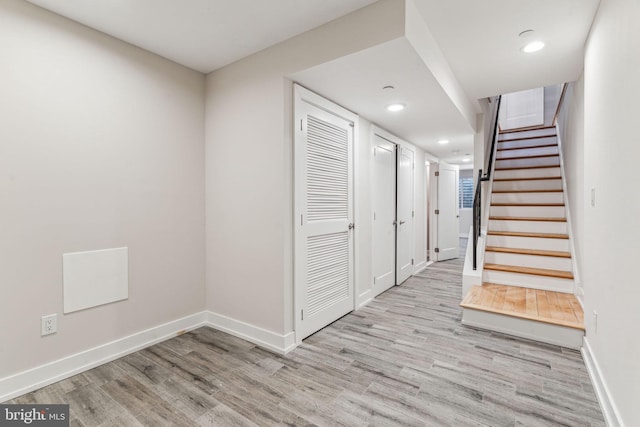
x=404 y=360
x=545 y=306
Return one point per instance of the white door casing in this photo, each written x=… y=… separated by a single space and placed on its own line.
x=384 y=214
x=447 y=208
x=404 y=214
x=522 y=109
x=323 y=221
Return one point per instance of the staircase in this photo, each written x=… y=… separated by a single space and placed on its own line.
x=527 y=278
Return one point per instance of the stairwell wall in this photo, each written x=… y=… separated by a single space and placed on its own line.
x=571 y=127
x=611 y=231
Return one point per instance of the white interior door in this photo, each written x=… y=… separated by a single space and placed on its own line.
x=404 y=215
x=324 y=285
x=384 y=214
x=447 y=212
x=522 y=109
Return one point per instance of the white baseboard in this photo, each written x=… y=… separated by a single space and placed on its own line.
x=281 y=344
x=364 y=298
x=608 y=406
x=419 y=267
x=41 y=376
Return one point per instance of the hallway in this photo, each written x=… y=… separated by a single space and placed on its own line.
x=402 y=360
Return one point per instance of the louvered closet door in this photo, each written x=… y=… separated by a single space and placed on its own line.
x=324 y=240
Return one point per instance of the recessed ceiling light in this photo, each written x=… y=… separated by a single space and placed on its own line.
x=533 y=46
x=466 y=159
x=395 y=107
x=443 y=141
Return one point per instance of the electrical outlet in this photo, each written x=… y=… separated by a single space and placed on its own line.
x=49 y=324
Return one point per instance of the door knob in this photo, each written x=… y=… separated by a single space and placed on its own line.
x=402 y=222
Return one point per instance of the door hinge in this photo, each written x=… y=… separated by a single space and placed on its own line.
x=374 y=216
x=352 y=124
x=301 y=219
x=437 y=173
x=437 y=211
x=413 y=214
x=302 y=314
x=411 y=261
x=437 y=250
x=301 y=125
x=374 y=280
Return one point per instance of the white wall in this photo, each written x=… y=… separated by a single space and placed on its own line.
x=571 y=125
x=611 y=230
x=249 y=165
x=420 y=208
x=101 y=146
x=551 y=98
x=363 y=218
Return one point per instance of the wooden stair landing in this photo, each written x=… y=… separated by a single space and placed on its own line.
x=555 y=308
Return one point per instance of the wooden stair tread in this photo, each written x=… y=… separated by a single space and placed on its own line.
x=537 y=156
x=533 y=178
x=520 y=251
x=527 y=137
x=527 y=146
x=526 y=218
x=527 y=204
x=555 y=190
x=527 y=167
x=559 y=274
x=528 y=234
x=529 y=270
x=526 y=129
x=550 y=307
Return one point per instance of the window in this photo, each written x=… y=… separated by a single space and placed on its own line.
x=465 y=193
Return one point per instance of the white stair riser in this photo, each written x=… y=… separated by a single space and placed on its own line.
x=529 y=162
x=530 y=329
x=533 y=261
x=527 y=173
x=517 y=242
x=527 y=142
x=529 y=211
x=527 y=152
x=540 y=184
x=527 y=281
x=529 y=226
x=527 y=198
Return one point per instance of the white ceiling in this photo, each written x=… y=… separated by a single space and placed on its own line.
x=479 y=39
x=356 y=82
x=203 y=34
